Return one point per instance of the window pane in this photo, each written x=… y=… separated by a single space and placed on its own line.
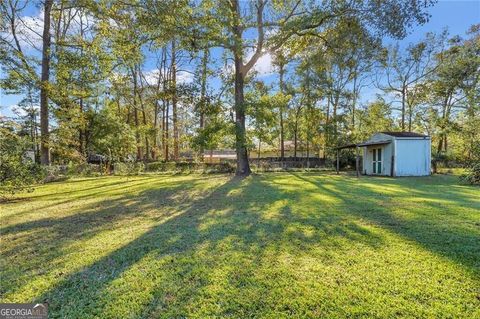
x=374 y=154
x=374 y=167
x=379 y=154
x=379 y=171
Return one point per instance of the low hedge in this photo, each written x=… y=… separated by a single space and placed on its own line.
x=189 y=167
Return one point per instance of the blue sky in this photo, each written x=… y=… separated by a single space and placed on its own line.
x=456 y=15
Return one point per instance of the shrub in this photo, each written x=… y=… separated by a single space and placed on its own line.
x=224 y=167
x=86 y=169
x=128 y=168
x=17 y=173
x=473 y=175
x=189 y=167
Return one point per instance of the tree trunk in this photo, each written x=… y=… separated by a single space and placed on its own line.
x=144 y=115
x=243 y=167
x=334 y=115
x=327 y=127
x=295 y=139
x=155 y=130
x=259 y=145
x=354 y=100
x=282 y=90
x=135 y=115
x=81 y=133
x=44 y=130
x=167 y=110
x=403 y=108
x=308 y=153
x=203 y=95
x=174 y=103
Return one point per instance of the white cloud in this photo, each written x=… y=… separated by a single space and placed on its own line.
x=264 y=65
x=182 y=76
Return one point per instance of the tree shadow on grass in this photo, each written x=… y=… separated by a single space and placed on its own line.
x=36 y=244
x=459 y=243
x=221 y=235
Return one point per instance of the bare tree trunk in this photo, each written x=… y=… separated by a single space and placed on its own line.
x=144 y=115
x=44 y=130
x=282 y=90
x=135 y=115
x=155 y=130
x=203 y=94
x=167 y=137
x=174 y=103
x=403 y=108
x=354 y=101
x=410 y=115
x=164 y=105
x=164 y=108
x=335 y=120
x=327 y=127
x=81 y=133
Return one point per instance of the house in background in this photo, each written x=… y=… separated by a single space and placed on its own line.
x=397 y=154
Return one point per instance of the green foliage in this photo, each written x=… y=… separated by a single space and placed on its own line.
x=376 y=117
x=86 y=169
x=112 y=137
x=189 y=167
x=128 y=168
x=473 y=175
x=17 y=173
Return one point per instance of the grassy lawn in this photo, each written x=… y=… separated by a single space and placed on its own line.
x=273 y=245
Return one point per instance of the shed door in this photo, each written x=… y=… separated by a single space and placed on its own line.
x=377 y=161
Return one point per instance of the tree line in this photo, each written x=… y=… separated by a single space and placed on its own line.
x=148 y=80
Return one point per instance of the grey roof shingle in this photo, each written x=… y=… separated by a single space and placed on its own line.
x=404 y=134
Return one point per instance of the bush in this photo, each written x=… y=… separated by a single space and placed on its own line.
x=54 y=173
x=190 y=167
x=473 y=175
x=224 y=167
x=128 y=168
x=17 y=173
x=86 y=169
x=172 y=167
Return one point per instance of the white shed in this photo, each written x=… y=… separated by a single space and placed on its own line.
x=397 y=154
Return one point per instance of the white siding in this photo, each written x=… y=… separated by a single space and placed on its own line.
x=412 y=157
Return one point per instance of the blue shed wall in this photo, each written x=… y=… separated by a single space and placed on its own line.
x=412 y=157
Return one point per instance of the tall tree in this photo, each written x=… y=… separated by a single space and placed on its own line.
x=404 y=70
x=273 y=23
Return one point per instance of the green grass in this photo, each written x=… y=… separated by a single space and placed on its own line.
x=273 y=245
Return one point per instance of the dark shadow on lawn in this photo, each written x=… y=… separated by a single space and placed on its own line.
x=459 y=244
x=114 y=188
x=41 y=241
x=231 y=214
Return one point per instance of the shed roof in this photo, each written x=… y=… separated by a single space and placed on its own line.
x=372 y=143
x=368 y=143
x=404 y=134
